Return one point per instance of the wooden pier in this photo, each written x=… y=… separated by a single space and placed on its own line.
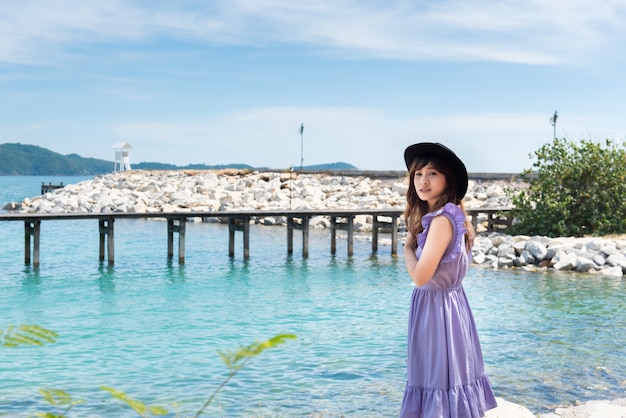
x=237 y=221
x=384 y=220
x=497 y=218
x=45 y=188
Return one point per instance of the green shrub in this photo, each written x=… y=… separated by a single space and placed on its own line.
x=579 y=190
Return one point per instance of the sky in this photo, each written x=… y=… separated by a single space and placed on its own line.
x=220 y=82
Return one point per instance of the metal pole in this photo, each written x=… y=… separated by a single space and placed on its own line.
x=301 y=145
x=290 y=188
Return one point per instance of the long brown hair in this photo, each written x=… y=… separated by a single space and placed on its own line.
x=416 y=208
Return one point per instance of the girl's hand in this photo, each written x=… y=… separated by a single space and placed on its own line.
x=437 y=241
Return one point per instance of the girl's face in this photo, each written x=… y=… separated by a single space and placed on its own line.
x=429 y=183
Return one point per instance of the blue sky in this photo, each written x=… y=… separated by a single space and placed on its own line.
x=220 y=82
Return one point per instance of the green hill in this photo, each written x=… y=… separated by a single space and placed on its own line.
x=31 y=160
x=164 y=166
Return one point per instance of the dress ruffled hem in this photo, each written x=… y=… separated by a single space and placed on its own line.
x=468 y=401
x=457 y=217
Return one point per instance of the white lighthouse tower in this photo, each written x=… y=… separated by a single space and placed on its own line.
x=122 y=162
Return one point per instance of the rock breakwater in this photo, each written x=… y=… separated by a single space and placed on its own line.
x=206 y=191
x=583 y=255
x=190 y=191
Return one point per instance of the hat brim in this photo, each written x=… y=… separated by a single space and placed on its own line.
x=436 y=149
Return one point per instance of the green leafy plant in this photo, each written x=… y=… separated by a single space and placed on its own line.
x=15 y=336
x=22 y=335
x=579 y=189
x=141 y=408
x=58 y=399
x=234 y=360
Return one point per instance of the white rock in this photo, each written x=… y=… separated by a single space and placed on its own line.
x=615 y=271
x=609 y=249
x=505 y=250
x=478 y=258
x=506 y=409
x=592 y=409
x=552 y=250
x=599 y=259
x=319 y=222
x=537 y=249
x=491 y=261
x=526 y=257
x=139 y=207
x=617 y=260
x=564 y=261
x=584 y=264
x=520 y=246
x=506 y=262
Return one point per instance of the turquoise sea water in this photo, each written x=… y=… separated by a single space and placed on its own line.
x=151 y=327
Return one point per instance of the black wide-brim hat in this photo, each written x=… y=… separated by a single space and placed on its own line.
x=442 y=152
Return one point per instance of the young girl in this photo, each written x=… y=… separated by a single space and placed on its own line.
x=445 y=370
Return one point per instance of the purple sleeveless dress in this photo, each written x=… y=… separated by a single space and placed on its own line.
x=445 y=371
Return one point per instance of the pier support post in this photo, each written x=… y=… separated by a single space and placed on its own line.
x=383 y=224
x=176 y=225
x=239 y=223
x=105 y=227
x=304 y=227
x=348 y=226
x=32 y=228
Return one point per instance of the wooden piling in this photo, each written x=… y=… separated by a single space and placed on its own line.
x=239 y=223
x=496 y=217
x=302 y=226
x=392 y=227
x=346 y=223
x=176 y=225
x=32 y=229
x=107 y=235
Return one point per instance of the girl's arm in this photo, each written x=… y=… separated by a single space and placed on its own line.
x=470 y=235
x=437 y=241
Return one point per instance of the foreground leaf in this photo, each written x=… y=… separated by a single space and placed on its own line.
x=139 y=407
x=26 y=335
x=58 y=398
x=237 y=359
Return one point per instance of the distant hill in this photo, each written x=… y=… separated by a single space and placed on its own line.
x=31 y=160
x=329 y=166
x=316 y=167
x=164 y=166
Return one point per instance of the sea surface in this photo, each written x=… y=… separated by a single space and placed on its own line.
x=152 y=328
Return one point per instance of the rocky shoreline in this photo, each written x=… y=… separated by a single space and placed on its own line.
x=205 y=191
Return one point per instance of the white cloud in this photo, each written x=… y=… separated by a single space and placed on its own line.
x=530 y=31
x=117 y=84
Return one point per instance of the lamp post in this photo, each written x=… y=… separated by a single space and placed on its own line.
x=301 y=130
x=553 y=122
x=290 y=186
